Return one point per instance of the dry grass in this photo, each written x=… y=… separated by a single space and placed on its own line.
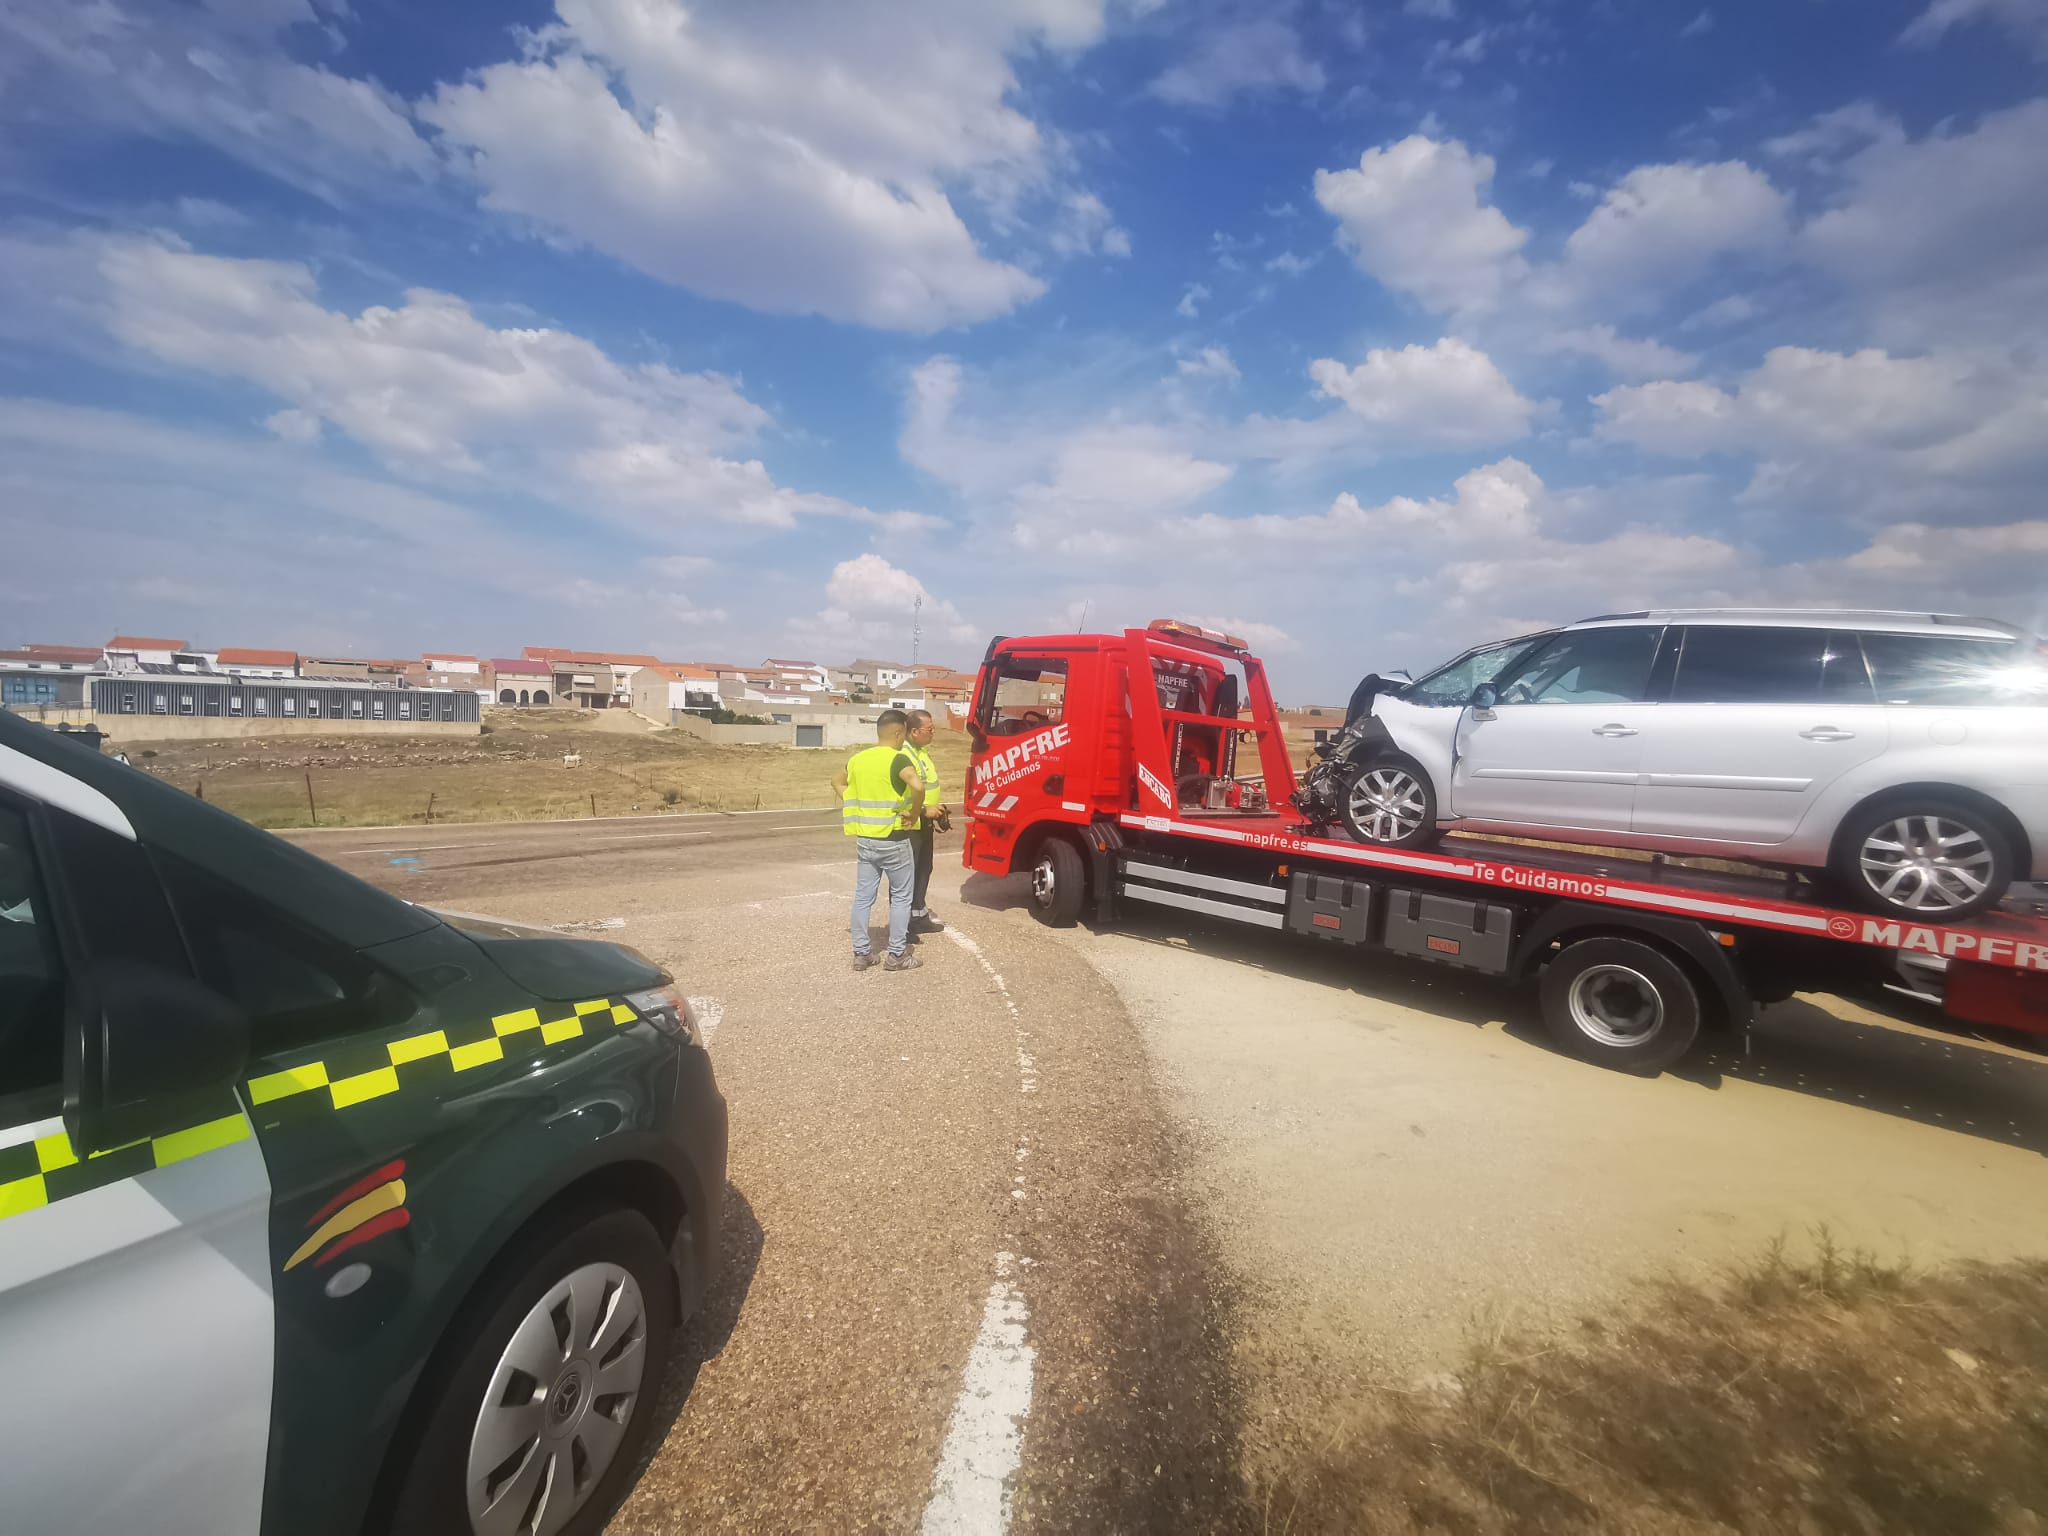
x=1838 y=1394
x=514 y=773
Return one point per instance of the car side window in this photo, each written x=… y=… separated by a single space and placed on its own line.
x=295 y=985
x=31 y=969
x=1945 y=670
x=1749 y=664
x=1586 y=666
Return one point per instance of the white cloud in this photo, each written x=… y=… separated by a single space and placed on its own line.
x=1412 y=215
x=294 y=426
x=2026 y=20
x=1450 y=395
x=1699 y=26
x=1265 y=639
x=1107 y=490
x=1497 y=501
x=214 y=75
x=1971 y=263
x=1626 y=357
x=1836 y=133
x=441 y=396
x=1287 y=264
x=1240 y=58
x=1434 y=10
x=1209 y=363
x=1661 y=225
x=1084 y=227
x=873 y=605
x=1865 y=436
x=797 y=159
x=1415 y=216
x=1190 y=303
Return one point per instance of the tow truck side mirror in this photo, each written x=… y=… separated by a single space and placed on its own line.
x=150 y=1052
x=977 y=736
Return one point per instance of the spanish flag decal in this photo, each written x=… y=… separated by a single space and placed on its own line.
x=368 y=1208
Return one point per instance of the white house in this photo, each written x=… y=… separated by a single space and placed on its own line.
x=133 y=653
x=883 y=676
x=802 y=676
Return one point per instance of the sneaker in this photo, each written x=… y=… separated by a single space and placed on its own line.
x=924 y=922
x=905 y=962
x=862 y=962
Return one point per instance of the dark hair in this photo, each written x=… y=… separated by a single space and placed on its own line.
x=889 y=717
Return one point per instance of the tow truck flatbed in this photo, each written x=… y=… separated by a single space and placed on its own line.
x=1107 y=765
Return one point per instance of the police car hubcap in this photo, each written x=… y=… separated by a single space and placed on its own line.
x=558 y=1403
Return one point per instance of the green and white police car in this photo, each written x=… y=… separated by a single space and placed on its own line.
x=319 y=1212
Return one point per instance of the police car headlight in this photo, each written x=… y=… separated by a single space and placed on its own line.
x=667 y=1010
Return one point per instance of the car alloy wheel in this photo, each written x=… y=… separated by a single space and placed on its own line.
x=1387 y=804
x=1926 y=863
x=558 y=1404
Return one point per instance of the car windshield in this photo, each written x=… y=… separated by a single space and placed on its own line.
x=1453 y=682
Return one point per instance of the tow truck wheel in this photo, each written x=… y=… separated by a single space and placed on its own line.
x=1059 y=883
x=1621 y=1003
x=1390 y=802
x=536 y=1428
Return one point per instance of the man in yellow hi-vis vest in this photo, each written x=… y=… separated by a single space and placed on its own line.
x=881 y=800
x=922 y=729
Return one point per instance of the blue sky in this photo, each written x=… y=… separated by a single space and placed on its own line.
x=726 y=330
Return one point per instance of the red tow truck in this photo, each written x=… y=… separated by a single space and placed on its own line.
x=1149 y=767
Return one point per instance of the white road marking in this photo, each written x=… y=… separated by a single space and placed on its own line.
x=985 y=1438
x=709 y=1013
x=595 y=925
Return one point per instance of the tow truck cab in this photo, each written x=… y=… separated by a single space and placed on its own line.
x=1068 y=728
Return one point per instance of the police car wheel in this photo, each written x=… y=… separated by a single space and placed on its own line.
x=538 y=1424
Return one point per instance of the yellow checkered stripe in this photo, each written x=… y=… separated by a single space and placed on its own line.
x=343 y=1084
x=49 y=1168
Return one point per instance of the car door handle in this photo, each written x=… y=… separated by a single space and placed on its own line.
x=1827 y=733
x=1613 y=730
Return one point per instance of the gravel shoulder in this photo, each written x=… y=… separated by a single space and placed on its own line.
x=1395 y=1164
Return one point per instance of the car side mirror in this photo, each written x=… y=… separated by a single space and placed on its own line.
x=977 y=736
x=151 y=1051
x=1485 y=696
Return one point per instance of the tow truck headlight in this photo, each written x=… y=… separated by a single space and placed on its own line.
x=667 y=1010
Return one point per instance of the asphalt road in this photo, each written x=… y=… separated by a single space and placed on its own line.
x=963 y=1287
x=1095 y=1231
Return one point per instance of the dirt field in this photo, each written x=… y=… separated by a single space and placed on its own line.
x=513 y=773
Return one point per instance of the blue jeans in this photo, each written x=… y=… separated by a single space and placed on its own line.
x=878 y=856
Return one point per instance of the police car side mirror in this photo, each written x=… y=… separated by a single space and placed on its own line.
x=150 y=1052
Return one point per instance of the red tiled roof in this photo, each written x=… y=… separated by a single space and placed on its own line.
x=682 y=671
x=143 y=643
x=524 y=667
x=53 y=653
x=234 y=656
x=444 y=656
